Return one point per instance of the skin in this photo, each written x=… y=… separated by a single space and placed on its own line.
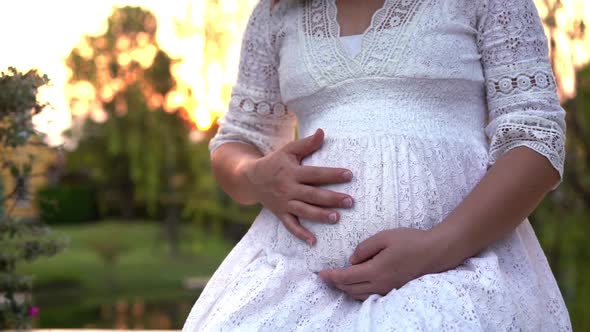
x=511 y=189
x=505 y=196
x=281 y=184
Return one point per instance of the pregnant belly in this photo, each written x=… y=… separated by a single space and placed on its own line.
x=397 y=182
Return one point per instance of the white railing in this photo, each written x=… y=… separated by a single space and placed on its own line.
x=94 y=330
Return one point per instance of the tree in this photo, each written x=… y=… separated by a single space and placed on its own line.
x=137 y=149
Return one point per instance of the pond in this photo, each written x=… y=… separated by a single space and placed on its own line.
x=124 y=313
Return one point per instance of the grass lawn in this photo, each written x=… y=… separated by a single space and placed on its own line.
x=82 y=276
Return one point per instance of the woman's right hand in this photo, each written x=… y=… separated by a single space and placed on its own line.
x=288 y=189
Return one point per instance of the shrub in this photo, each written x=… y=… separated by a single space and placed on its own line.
x=67 y=204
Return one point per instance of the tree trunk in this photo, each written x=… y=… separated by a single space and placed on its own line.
x=1 y=201
x=127 y=202
x=172 y=218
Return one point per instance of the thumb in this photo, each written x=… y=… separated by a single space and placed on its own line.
x=303 y=147
x=368 y=248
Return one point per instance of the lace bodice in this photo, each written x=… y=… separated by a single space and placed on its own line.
x=293 y=52
x=352 y=44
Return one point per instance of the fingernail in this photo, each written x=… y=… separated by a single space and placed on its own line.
x=347 y=175
x=333 y=216
x=351 y=259
x=309 y=241
x=347 y=202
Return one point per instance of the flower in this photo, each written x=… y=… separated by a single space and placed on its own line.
x=33 y=311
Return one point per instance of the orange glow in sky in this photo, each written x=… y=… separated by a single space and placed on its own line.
x=571 y=55
x=40 y=34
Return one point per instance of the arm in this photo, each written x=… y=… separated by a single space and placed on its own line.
x=254 y=156
x=247 y=131
x=526 y=130
x=506 y=195
x=229 y=163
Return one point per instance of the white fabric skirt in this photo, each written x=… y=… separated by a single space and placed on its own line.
x=270 y=281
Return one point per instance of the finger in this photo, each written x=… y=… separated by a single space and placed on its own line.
x=311 y=212
x=361 y=297
x=358 y=288
x=322 y=197
x=322 y=175
x=294 y=227
x=369 y=248
x=303 y=147
x=348 y=275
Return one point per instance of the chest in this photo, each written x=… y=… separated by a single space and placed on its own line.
x=354 y=17
x=404 y=39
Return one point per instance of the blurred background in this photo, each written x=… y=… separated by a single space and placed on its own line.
x=116 y=163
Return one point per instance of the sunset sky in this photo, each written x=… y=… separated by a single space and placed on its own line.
x=40 y=34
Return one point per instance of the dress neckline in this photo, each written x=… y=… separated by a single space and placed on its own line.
x=357 y=58
x=352 y=44
x=371 y=23
x=360 y=35
x=382 y=43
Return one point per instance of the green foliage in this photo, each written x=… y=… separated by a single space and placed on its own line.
x=67 y=204
x=141 y=157
x=19 y=240
x=578 y=140
x=139 y=267
x=78 y=280
x=18 y=103
x=141 y=154
x=562 y=222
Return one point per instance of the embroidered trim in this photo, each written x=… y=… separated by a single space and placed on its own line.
x=387 y=36
x=317 y=33
x=523 y=82
x=248 y=105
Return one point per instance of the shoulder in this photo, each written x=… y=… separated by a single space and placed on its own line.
x=268 y=21
x=514 y=17
x=269 y=14
x=507 y=8
x=273 y=8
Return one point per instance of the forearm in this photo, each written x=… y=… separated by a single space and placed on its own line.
x=229 y=163
x=512 y=188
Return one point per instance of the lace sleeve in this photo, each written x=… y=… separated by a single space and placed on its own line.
x=256 y=114
x=523 y=105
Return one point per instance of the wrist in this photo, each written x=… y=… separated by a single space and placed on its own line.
x=246 y=174
x=446 y=244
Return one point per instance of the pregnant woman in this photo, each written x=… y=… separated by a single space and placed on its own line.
x=428 y=130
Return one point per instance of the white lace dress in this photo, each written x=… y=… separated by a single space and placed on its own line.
x=439 y=90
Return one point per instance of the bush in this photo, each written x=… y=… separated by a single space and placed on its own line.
x=67 y=204
x=20 y=240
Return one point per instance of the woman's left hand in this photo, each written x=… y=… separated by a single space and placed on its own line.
x=387 y=261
